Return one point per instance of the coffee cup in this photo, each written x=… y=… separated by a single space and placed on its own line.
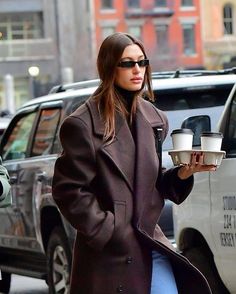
x=211 y=141
x=182 y=139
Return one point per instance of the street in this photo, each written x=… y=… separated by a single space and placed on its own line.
x=25 y=285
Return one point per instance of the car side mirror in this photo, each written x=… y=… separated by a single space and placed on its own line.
x=198 y=124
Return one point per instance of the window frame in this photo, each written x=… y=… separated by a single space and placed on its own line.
x=133 y=4
x=5 y=139
x=185 y=3
x=228 y=19
x=189 y=50
x=161 y=5
x=26 y=19
x=107 y=6
x=160 y=48
x=53 y=133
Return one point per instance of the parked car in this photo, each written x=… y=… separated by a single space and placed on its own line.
x=205 y=224
x=35 y=239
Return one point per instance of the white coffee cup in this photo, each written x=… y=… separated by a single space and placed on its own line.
x=211 y=141
x=182 y=139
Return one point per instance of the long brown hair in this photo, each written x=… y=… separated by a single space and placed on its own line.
x=108 y=100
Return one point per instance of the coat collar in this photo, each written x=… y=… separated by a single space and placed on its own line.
x=143 y=108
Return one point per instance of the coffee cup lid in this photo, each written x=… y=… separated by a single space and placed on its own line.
x=212 y=134
x=182 y=131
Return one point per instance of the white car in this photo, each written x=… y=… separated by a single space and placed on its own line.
x=205 y=223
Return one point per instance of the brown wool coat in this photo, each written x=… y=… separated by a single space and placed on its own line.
x=109 y=193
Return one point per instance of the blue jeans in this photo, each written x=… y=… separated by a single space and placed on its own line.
x=163 y=279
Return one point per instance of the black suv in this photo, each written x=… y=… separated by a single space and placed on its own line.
x=35 y=239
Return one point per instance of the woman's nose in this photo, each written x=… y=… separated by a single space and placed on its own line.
x=136 y=68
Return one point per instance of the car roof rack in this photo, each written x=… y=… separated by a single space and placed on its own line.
x=184 y=73
x=156 y=75
x=74 y=86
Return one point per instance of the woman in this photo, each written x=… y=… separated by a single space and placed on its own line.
x=108 y=184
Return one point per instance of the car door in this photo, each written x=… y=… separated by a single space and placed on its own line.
x=14 y=151
x=31 y=172
x=40 y=165
x=223 y=205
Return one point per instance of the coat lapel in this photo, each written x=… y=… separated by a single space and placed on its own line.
x=147 y=163
x=121 y=151
x=137 y=162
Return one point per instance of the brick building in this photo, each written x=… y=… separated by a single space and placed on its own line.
x=61 y=38
x=170 y=30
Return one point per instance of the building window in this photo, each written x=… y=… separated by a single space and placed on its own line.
x=135 y=31
x=21 y=26
x=162 y=39
x=228 y=19
x=133 y=3
x=189 y=39
x=107 y=4
x=106 y=31
x=187 y=3
x=160 y=3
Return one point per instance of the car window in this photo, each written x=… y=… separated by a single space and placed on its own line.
x=182 y=103
x=17 y=142
x=232 y=130
x=191 y=98
x=45 y=132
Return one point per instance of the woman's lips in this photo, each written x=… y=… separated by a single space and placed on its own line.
x=137 y=80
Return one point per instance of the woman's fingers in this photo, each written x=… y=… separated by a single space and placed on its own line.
x=196 y=165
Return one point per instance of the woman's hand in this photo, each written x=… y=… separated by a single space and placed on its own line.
x=196 y=165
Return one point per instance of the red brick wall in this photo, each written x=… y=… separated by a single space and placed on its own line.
x=149 y=18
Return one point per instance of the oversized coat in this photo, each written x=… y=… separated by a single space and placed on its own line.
x=111 y=193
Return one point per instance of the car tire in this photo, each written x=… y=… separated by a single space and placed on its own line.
x=59 y=262
x=5 y=283
x=204 y=262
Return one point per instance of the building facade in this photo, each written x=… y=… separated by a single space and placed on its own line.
x=170 y=30
x=42 y=43
x=218 y=21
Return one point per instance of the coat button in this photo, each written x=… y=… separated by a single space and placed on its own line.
x=129 y=260
x=120 y=289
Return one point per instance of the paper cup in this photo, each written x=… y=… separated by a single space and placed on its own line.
x=182 y=139
x=211 y=141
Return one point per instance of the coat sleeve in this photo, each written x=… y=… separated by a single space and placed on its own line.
x=4 y=182
x=74 y=171
x=173 y=188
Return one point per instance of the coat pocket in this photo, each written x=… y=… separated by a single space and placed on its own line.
x=120 y=215
x=117 y=241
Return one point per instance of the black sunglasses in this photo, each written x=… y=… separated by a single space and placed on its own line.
x=131 y=63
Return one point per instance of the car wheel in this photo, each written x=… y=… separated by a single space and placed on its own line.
x=5 y=283
x=205 y=263
x=59 y=262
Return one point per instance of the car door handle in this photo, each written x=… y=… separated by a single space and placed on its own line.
x=13 y=180
x=41 y=176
